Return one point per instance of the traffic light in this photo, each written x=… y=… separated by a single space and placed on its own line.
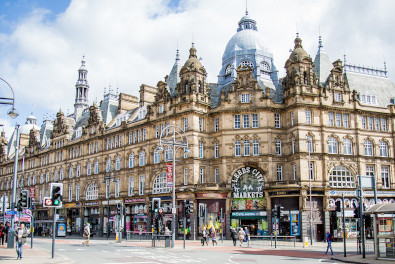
x=338 y=207
x=279 y=208
x=188 y=207
x=24 y=199
x=155 y=205
x=119 y=209
x=56 y=194
x=356 y=210
x=274 y=212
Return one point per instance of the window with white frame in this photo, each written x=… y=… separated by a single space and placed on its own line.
x=332 y=145
x=246 y=63
x=383 y=149
x=216 y=150
x=237 y=121
x=134 y=136
x=156 y=156
x=294 y=172
x=41 y=178
x=293 y=145
x=161 y=109
x=160 y=184
x=201 y=150
x=363 y=122
x=347 y=146
x=108 y=165
x=255 y=123
x=131 y=186
x=246 y=121
x=368 y=148
x=47 y=177
x=157 y=133
x=278 y=147
x=338 y=120
x=144 y=134
x=331 y=119
x=118 y=163
x=71 y=172
x=70 y=193
x=142 y=158
x=341 y=177
x=370 y=170
x=131 y=160
x=377 y=123
x=141 y=184
x=168 y=153
x=130 y=138
x=308 y=116
x=338 y=97
x=61 y=174
x=185 y=176
x=346 y=122
x=96 y=167
x=245 y=98
x=310 y=144
x=370 y=123
x=139 y=135
x=246 y=147
x=277 y=121
x=185 y=123
x=89 y=168
x=292 y=119
x=255 y=147
x=279 y=173
x=216 y=124
x=78 y=171
x=385 y=176
x=237 y=148
x=117 y=187
x=383 y=124
x=201 y=175
x=201 y=124
x=77 y=192
x=311 y=171
x=216 y=175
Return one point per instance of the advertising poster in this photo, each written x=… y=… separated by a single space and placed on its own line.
x=169 y=175
x=62 y=229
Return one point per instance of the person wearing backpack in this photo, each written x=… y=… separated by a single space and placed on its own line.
x=329 y=239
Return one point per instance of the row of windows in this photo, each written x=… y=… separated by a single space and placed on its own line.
x=374 y=123
x=338 y=120
x=247 y=122
x=137 y=136
x=114 y=142
x=75 y=152
x=93 y=147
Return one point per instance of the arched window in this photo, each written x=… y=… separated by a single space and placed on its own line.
x=246 y=147
x=131 y=160
x=265 y=66
x=228 y=69
x=278 y=147
x=341 y=177
x=156 y=156
x=118 y=163
x=347 y=146
x=160 y=184
x=332 y=145
x=368 y=148
x=200 y=87
x=255 y=147
x=201 y=150
x=92 y=192
x=383 y=149
x=237 y=148
x=142 y=158
x=246 y=63
x=108 y=165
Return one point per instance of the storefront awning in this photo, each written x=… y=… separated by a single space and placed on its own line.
x=381 y=209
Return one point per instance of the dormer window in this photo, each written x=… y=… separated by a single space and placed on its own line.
x=245 y=98
x=161 y=109
x=338 y=97
x=143 y=112
x=368 y=98
x=265 y=68
x=78 y=132
x=228 y=69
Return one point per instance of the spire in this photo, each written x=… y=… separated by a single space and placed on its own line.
x=82 y=89
x=246 y=7
x=192 y=51
x=174 y=76
x=320 y=44
x=177 y=55
x=322 y=63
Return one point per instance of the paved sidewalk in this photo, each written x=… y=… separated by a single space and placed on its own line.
x=370 y=259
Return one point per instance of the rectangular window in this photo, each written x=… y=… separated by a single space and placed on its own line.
x=363 y=121
x=370 y=122
x=201 y=120
x=134 y=136
x=117 y=187
x=294 y=171
x=161 y=109
x=130 y=137
x=246 y=121
x=185 y=123
x=141 y=184
x=277 y=121
x=237 y=121
x=185 y=176
x=385 y=176
x=369 y=170
x=338 y=120
x=338 y=97
x=216 y=124
x=293 y=146
x=292 y=119
x=255 y=123
x=131 y=186
x=139 y=135
x=201 y=175
x=144 y=135
x=377 y=123
x=216 y=174
x=237 y=148
x=255 y=147
x=70 y=193
x=157 y=131
x=308 y=117
x=216 y=150
x=383 y=124
x=77 y=192
x=331 y=119
x=279 y=173
x=245 y=98
x=345 y=120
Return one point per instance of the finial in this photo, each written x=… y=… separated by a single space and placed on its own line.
x=177 y=55
x=246 y=7
x=297 y=34
x=319 y=42
x=117 y=90
x=193 y=44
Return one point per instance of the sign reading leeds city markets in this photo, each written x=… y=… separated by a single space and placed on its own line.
x=248 y=182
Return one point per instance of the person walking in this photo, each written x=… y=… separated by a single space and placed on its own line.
x=86 y=234
x=2 y=234
x=213 y=236
x=20 y=239
x=204 y=238
x=247 y=234
x=241 y=236
x=328 y=239
x=7 y=228
x=233 y=235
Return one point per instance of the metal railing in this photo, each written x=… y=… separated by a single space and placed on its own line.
x=272 y=239
x=161 y=240
x=131 y=235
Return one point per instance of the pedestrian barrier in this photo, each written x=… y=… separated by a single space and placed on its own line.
x=131 y=235
x=264 y=240
x=161 y=240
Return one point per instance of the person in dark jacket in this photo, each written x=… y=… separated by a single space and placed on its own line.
x=7 y=228
x=328 y=239
x=233 y=235
x=20 y=239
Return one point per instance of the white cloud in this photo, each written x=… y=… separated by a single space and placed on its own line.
x=128 y=43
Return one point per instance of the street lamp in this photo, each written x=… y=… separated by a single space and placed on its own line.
x=177 y=138
x=107 y=181
x=309 y=147
x=13 y=113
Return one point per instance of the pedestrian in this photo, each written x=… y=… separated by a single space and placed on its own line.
x=2 y=234
x=247 y=234
x=208 y=236
x=7 y=228
x=20 y=239
x=40 y=230
x=233 y=235
x=86 y=234
x=328 y=239
x=241 y=236
x=213 y=236
x=204 y=233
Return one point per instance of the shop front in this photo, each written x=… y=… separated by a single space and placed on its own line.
x=92 y=215
x=136 y=216
x=209 y=209
x=164 y=217
x=288 y=223
x=73 y=218
x=249 y=206
x=110 y=222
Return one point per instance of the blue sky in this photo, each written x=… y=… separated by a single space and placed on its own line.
x=131 y=42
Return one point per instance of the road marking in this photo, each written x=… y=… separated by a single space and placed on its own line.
x=231 y=261
x=80 y=249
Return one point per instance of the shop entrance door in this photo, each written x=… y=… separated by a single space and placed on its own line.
x=251 y=224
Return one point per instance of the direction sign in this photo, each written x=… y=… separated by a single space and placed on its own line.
x=11 y=212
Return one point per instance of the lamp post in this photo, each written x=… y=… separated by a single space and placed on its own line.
x=13 y=113
x=177 y=138
x=309 y=147
x=107 y=181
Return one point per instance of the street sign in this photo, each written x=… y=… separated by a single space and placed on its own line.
x=11 y=212
x=47 y=202
x=366 y=181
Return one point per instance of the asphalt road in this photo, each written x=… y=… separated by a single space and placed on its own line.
x=105 y=252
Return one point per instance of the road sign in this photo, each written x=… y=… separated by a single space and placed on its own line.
x=11 y=212
x=47 y=202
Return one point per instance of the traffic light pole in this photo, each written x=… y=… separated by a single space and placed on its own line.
x=362 y=227
x=53 y=232
x=185 y=222
x=344 y=228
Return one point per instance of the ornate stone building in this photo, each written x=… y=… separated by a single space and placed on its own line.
x=256 y=141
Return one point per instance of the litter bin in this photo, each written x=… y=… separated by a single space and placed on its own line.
x=167 y=241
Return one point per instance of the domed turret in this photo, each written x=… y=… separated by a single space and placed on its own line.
x=193 y=63
x=31 y=123
x=298 y=54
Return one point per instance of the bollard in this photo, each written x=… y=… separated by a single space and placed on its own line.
x=305 y=242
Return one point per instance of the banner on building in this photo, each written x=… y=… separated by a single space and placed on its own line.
x=169 y=175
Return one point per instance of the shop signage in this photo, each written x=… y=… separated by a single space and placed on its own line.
x=365 y=193
x=211 y=195
x=91 y=204
x=185 y=196
x=32 y=191
x=169 y=174
x=71 y=205
x=111 y=202
x=248 y=182
x=250 y=213
x=140 y=216
x=162 y=198
x=284 y=193
x=137 y=200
